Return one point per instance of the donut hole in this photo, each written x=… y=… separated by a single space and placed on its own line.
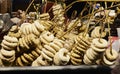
x=48 y=34
x=43 y=59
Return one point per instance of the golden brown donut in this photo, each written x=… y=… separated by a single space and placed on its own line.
x=110 y=56
x=61 y=57
x=100 y=43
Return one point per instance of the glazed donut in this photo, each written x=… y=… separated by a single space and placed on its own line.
x=61 y=57
x=97 y=49
x=110 y=56
x=100 y=44
x=7 y=53
x=49 y=49
x=11 y=39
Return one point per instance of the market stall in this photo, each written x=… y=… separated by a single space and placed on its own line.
x=46 y=39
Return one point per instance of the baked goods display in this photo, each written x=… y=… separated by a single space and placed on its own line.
x=47 y=41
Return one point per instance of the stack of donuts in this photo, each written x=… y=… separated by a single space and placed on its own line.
x=109 y=57
x=46 y=41
x=58 y=13
x=97 y=47
x=7 y=51
x=96 y=32
x=82 y=43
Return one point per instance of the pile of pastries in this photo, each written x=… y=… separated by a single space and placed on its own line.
x=40 y=43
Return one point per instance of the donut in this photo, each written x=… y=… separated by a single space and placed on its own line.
x=86 y=60
x=45 y=56
x=75 y=55
x=48 y=36
x=38 y=50
x=43 y=40
x=6 y=47
x=48 y=53
x=57 y=48
x=100 y=43
x=110 y=56
x=61 y=57
x=7 y=59
x=97 y=49
x=58 y=42
x=31 y=55
x=39 y=26
x=19 y=62
x=107 y=62
x=34 y=53
x=34 y=30
x=24 y=59
x=90 y=55
x=7 y=53
x=30 y=59
x=80 y=49
x=49 y=48
x=10 y=39
x=41 y=61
